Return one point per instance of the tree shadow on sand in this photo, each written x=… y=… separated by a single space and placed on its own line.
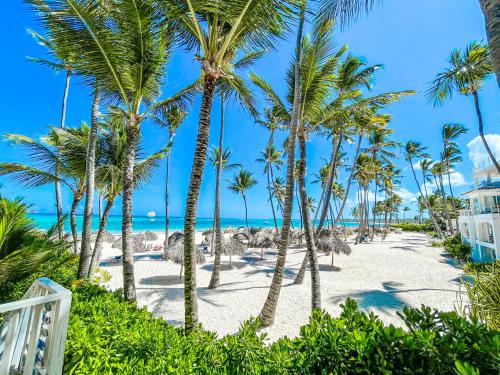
x=161 y=280
x=287 y=273
x=386 y=300
x=225 y=266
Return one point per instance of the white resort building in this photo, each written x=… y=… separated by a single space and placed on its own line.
x=480 y=224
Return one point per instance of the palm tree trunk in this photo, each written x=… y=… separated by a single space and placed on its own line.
x=491 y=11
x=299 y=205
x=271 y=197
x=374 y=211
x=96 y=255
x=445 y=202
x=200 y=156
x=452 y=200
x=426 y=202
x=86 y=250
x=59 y=209
x=269 y=309
x=329 y=185
x=481 y=132
x=128 y=188
x=215 y=278
x=308 y=230
x=246 y=214
x=167 y=214
x=351 y=175
x=77 y=197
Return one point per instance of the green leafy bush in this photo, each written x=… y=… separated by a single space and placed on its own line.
x=454 y=246
x=108 y=335
x=483 y=291
x=414 y=227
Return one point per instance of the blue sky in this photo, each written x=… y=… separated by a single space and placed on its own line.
x=411 y=38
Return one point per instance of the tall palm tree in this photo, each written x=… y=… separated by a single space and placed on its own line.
x=85 y=249
x=170 y=119
x=347 y=11
x=438 y=169
x=415 y=150
x=243 y=181
x=365 y=170
x=271 y=157
x=62 y=58
x=451 y=154
x=124 y=48
x=405 y=210
x=216 y=30
x=109 y=174
x=465 y=75
x=221 y=162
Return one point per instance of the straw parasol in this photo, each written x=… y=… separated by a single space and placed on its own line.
x=175 y=237
x=265 y=240
x=175 y=253
x=137 y=243
x=150 y=236
x=232 y=246
x=333 y=245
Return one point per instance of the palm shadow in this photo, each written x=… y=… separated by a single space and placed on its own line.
x=162 y=280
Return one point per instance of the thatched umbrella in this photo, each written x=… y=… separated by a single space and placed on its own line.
x=232 y=246
x=137 y=243
x=264 y=241
x=229 y=230
x=106 y=236
x=175 y=237
x=175 y=253
x=333 y=245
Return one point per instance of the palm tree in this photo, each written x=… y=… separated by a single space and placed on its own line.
x=109 y=174
x=467 y=71
x=170 y=119
x=127 y=62
x=437 y=170
x=85 y=249
x=271 y=157
x=220 y=160
x=58 y=156
x=405 y=210
x=62 y=58
x=243 y=181
x=451 y=154
x=217 y=30
x=416 y=150
x=348 y=10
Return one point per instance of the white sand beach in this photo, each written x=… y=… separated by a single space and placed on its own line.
x=382 y=276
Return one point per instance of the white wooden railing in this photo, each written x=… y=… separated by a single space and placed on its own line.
x=33 y=334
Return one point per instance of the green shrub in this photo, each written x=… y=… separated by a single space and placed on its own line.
x=454 y=246
x=414 y=227
x=483 y=291
x=108 y=335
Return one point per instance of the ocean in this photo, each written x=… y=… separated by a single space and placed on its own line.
x=142 y=223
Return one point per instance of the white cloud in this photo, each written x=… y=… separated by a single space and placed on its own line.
x=406 y=195
x=456 y=179
x=416 y=166
x=477 y=152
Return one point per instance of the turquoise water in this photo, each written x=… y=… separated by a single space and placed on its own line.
x=141 y=223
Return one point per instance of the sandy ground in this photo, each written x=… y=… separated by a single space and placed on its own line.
x=381 y=276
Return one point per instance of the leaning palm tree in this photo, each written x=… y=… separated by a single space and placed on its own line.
x=243 y=181
x=124 y=48
x=465 y=75
x=61 y=58
x=170 y=119
x=109 y=174
x=221 y=161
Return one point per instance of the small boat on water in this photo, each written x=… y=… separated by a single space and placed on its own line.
x=151 y=215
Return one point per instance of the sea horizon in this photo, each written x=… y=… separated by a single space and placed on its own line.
x=45 y=221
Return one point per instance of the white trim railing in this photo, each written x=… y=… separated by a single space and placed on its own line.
x=33 y=334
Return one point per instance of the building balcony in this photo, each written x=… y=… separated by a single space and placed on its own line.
x=486 y=238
